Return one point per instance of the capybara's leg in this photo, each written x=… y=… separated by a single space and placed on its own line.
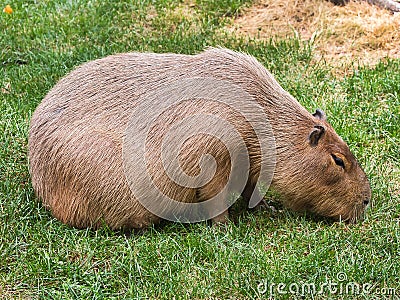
x=249 y=189
x=220 y=201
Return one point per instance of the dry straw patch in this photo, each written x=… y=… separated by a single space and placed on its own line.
x=357 y=31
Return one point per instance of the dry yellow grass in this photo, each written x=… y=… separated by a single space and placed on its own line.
x=355 y=32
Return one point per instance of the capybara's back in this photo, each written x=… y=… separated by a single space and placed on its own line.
x=77 y=133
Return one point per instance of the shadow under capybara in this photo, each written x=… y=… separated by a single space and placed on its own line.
x=77 y=134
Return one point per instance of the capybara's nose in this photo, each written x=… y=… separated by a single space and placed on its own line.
x=366 y=202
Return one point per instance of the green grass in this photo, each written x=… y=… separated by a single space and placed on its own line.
x=42 y=258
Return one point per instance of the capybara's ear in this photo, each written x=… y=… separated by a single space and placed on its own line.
x=316 y=134
x=320 y=114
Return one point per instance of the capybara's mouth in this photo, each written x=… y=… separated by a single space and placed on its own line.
x=356 y=215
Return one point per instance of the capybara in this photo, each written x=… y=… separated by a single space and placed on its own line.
x=78 y=131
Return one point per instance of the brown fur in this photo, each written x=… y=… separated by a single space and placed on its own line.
x=76 y=136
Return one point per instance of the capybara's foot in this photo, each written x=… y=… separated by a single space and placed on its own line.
x=221 y=219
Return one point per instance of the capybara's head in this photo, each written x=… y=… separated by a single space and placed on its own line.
x=322 y=175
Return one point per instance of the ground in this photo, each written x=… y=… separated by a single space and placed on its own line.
x=357 y=32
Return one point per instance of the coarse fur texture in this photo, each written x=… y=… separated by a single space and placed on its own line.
x=77 y=132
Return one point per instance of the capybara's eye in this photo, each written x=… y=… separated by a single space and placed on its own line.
x=338 y=161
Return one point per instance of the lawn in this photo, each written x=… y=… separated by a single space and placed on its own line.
x=41 y=41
